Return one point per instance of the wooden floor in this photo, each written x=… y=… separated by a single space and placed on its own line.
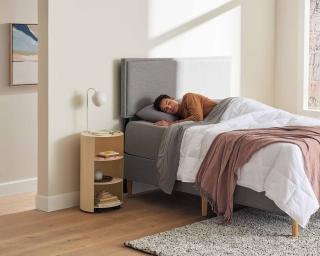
x=17 y=203
x=72 y=232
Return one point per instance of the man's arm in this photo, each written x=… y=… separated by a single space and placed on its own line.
x=194 y=108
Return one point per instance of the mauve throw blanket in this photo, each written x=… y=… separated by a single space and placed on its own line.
x=217 y=176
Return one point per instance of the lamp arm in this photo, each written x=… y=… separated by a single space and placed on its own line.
x=90 y=89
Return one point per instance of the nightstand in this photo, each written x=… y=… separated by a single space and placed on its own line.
x=91 y=145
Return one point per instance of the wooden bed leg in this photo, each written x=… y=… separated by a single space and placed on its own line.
x=129 y=187
x=204 y=206
x=295 y=228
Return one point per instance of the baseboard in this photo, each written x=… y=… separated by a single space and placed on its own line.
x=18 y=187
x=57 y=202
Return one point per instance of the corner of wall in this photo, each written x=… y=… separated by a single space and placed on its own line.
x=275 y=53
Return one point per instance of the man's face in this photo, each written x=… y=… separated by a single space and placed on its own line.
x=169 y=106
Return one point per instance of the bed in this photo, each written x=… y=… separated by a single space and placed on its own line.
x=142 y=80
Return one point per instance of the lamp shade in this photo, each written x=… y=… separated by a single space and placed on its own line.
x=99 y=98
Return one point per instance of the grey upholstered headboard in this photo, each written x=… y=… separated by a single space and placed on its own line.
x=142 y=80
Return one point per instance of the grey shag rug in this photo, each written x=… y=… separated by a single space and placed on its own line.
x=252 y=232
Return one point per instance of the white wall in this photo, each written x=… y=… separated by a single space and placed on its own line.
x=257 y=51
x=18 y=109
x=86 y=39
x=286 y=61
x=43 y=103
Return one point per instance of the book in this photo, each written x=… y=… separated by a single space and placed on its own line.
x=108 y=153
x=104 y=132
x=103 y=194
x=105 y=199
x=108 y=204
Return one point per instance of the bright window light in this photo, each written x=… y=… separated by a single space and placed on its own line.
x=314 y=56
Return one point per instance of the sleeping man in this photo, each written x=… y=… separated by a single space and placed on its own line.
x=193 y=107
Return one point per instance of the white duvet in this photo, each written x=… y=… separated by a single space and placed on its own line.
x=277 y=169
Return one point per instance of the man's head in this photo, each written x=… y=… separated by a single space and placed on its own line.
x=166 y=104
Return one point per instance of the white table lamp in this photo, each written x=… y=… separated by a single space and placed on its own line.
x=98 y=99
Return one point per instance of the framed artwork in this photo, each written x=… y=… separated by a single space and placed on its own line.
x=24 y=54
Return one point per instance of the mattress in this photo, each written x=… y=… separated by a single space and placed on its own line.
x=143 y=139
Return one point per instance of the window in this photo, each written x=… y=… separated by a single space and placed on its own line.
x=314 y=56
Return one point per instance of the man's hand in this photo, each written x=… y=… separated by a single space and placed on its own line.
x=162 y=123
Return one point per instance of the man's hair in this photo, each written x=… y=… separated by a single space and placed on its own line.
x=158 y=100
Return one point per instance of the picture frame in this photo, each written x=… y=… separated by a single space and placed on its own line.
x=23 y=54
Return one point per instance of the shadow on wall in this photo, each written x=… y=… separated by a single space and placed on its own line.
x=65 y=149
x=116 y=97
x=77 y=102
x=163 y=38
x=5 y=89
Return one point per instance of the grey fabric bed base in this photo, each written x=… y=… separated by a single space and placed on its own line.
x=144 y=170
x=142 y=80
x=143 y=139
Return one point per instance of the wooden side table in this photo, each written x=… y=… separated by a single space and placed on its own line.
x=91 y=145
